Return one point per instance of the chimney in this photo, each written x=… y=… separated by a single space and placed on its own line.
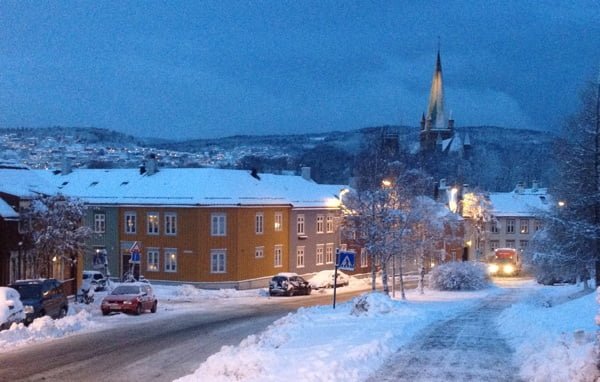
x=535 y=186
x=152 y=164
x=306 y=173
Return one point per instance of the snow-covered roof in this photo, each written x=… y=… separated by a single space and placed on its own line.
x=6 y=211
x=192 y=186
x=23 y=182
x=520 y=202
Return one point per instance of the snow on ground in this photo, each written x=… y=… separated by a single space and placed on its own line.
x=552 y=330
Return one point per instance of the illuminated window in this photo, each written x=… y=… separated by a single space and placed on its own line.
x=153 y=260
x=130 y=222
x=152 y=219
x=364 y=258
x=170 y=260
x=524 y=226
x=218 y=261
x=278 y=221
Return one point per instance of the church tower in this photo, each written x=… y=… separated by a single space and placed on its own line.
x=436 y=127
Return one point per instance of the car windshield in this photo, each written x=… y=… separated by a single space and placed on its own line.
x=279 y=279
x=126 y=289
x=29 y=291
x=87 y=276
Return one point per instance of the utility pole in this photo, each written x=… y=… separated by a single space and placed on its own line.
x=597 y=180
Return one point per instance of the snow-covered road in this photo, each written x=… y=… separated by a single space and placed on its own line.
x=467 y=347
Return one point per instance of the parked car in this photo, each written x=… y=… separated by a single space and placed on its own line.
x=324 y=279
x=288 y=284
x=135 y=298
x=41 y=297
x=94 y=279
x=11 y=307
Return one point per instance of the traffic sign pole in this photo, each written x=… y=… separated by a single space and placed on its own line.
x=337 y=262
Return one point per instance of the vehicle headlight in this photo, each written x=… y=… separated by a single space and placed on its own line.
x=127 y=302
x=508 y=268
x=28 y=309
x=493 y=268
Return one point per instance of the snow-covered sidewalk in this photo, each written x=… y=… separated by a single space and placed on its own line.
x=349 y=344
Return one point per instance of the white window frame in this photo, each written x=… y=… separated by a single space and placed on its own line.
x=218 y=224
x=524 y=226
x=153 y=223
x=130 y=222
x=171 y=223
x=494 y=227
x=364 y=258
x=278 y=256
x=218 y=261
x=511 y=244
x=320 y=223
x=329 y=253
x=153 y=260
x=99 y=222
x=278 y=222
x=300 y=226
x=300 y=255
x=329 y=224
x=320 y=254
x=510 y=226
x=494 y=244
x=259 y=223
x=170 y=260
x=259 y=252
x=523 y=244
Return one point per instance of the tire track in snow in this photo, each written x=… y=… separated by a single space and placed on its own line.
x=465 y=348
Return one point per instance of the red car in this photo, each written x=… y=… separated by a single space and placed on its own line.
x=130 y=298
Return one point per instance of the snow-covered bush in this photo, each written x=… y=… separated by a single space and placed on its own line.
x=371 y=304
x=459 y=276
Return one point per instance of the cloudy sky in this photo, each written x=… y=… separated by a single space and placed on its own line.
x=200 y=69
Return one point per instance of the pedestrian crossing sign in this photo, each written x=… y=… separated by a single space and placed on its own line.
x=346 y=261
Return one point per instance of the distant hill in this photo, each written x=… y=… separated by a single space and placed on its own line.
x=500 y=157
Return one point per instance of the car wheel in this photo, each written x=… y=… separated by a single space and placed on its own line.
x=62 y=312
x=290 y=292
x=139 y=309
x=154 y=306
x=308 y=291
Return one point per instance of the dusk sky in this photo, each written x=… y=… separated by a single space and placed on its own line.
x=205 y=69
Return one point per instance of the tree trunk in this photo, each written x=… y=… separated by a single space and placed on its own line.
x=384 y=278
x=373 y=274
x=402 y=293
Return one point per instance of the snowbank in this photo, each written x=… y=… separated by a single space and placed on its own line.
x=554 y=335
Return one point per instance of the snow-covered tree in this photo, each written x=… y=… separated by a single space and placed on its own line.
x=477 y=209
x=57 y=232
x=570 y=241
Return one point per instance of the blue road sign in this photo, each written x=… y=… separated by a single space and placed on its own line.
x=346 y=261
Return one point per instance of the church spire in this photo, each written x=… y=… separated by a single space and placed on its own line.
x=436 y=118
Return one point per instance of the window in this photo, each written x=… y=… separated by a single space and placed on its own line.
x=99 y=223
x=259 y=252
x=364 y=258
x=329 y=253
x=218 y=226
x=320 y=254
x=259 y=223
x=152 y=219
x=494 y=226
x=278 y=221
x=170 y=260
x=278 y=256
x=170 y=223
x=329 y=224
x=300 y=257
x=343 y=247
x=153 y=256
x=494 y=244
x=320 y=223
x=523 y=245
x=130 y=222
x=538 y=225
x=510 y=225
x=218 y=261
x=510 y=243
x=524 y=226
x=300 y=225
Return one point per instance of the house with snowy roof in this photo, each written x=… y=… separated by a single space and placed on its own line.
x=515 y=217
x=213 y=227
